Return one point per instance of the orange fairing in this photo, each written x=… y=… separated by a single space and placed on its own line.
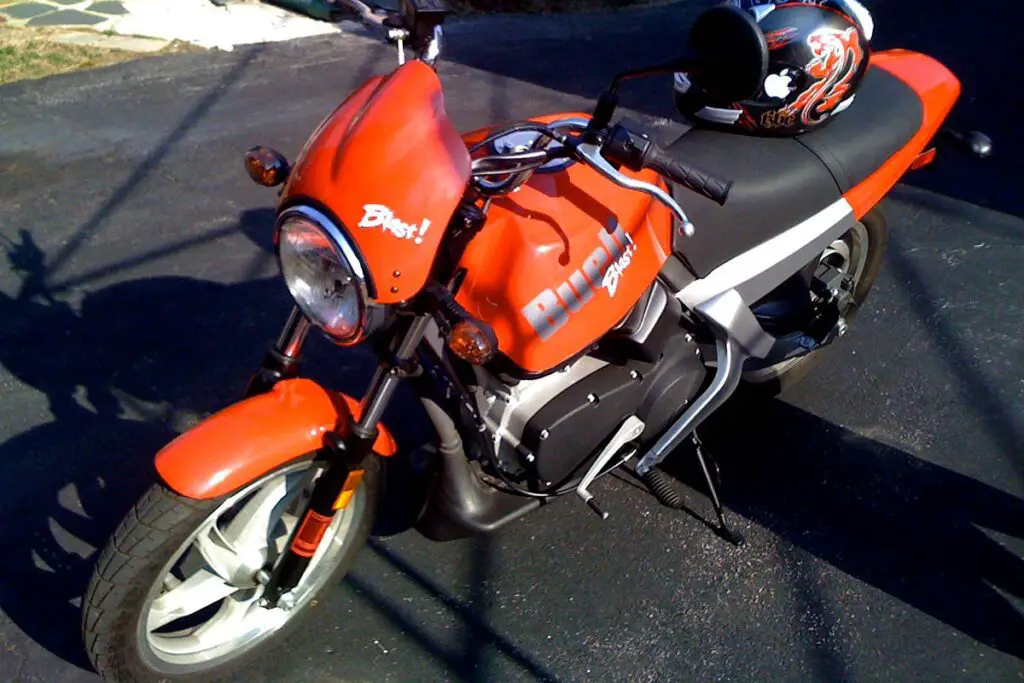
x=249 y=439
x=938 y=89
x=562 y=261
x=389 y=164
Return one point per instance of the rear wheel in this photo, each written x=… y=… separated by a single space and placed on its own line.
x=859 y=252
x=176 y=595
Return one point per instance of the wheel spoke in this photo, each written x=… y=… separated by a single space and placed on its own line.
x=289 y=522
x=227 y=623
x=250 y=529
x=200 y=590
x=219 y=554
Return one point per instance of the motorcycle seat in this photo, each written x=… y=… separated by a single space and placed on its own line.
x=779 y=182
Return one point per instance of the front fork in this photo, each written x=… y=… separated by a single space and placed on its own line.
x=345 y=450
x=282 y=361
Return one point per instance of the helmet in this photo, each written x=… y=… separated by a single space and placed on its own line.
x=818 y=54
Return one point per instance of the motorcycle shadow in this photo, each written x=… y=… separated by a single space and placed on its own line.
x=123 y=372
x=141 y=360
x=917 y=531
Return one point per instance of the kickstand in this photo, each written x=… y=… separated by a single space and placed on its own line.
x=723 y=530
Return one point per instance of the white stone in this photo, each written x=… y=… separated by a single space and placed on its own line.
x=202 y=23
x=115 y=42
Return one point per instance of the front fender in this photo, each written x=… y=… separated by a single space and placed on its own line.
x=248 y=439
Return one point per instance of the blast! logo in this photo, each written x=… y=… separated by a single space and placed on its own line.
x=603 y=269
x=380 y=216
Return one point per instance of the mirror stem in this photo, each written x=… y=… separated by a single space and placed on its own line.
x=609 y=99
x=606 y=105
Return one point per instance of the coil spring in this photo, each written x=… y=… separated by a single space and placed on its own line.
x=664 y=489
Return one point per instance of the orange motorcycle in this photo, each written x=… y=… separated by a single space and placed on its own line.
x=565 y=295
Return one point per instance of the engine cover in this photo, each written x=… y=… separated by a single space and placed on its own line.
x=553 y=427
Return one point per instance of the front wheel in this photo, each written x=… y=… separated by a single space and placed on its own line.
x=176 y=594
x=859 y=253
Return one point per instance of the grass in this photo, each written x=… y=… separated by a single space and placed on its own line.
x=27 y=53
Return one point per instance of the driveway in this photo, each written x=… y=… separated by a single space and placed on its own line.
x=881 y=500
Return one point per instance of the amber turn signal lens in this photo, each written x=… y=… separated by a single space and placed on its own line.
x=266 y=166
x=473 y=342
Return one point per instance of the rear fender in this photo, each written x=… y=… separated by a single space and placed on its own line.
x=249 y=439
x=939 y=90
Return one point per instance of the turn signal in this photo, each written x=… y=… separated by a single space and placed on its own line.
x=267 y=167
x=473 y=342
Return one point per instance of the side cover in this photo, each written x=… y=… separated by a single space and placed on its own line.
x=562 y=261
x=391 y=167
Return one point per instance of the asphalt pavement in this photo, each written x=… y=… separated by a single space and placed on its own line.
x=881 y=499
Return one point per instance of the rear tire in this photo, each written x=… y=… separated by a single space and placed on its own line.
x=142 y=562
x=772 y=381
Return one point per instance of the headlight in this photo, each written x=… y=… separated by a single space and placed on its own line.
x=323 y=274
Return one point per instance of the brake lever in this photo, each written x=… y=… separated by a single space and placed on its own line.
x=592 y=154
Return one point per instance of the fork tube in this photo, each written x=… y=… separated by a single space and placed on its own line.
x=347 y=451
x=386 y=379
x=289 y=344
x=282 y=361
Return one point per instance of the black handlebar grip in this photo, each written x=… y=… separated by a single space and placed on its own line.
x=693 y=178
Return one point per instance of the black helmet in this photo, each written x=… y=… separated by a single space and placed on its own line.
x=818 y=54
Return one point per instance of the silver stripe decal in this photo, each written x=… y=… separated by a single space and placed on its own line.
x=758 y=271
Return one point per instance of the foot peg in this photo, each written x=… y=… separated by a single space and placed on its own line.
x=632 y=428
x=667 y=494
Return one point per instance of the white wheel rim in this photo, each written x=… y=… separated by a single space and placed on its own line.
x=204 y=608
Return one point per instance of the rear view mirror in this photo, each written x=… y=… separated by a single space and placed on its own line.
x=420 y=18
x=728 y=56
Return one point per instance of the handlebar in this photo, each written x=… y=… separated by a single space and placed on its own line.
x=592 y=154
x=603 y=151
x=636 y=151
x=417 y=23
x=687 y=175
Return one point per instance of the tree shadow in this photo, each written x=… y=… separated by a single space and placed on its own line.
x=127 y=369
x=468 y=662
x=899 y=523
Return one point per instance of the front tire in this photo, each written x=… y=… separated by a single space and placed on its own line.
x=869 y=237
x=176 y=593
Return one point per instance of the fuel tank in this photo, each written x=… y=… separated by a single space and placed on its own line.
x=562 y=260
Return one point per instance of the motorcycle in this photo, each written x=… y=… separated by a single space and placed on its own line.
x=565 y=295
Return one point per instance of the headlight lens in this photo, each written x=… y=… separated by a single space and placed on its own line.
x=327 y=283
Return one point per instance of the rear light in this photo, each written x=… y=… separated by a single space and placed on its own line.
x=473 y=341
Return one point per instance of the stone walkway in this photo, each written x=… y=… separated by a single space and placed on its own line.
x=199 y=22
x=96 y=14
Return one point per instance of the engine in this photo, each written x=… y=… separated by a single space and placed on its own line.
x=548 y=430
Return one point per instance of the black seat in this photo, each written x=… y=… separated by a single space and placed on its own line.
x=779 y=182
